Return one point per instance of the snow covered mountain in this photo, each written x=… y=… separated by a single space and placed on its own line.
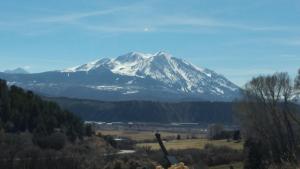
x=133 y=76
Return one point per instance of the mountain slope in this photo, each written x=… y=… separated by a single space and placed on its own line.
x=133 y=76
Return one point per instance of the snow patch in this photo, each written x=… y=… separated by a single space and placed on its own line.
x=107 y=88
x=131 y=92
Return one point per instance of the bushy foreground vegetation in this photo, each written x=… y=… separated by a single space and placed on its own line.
x=210 y=155
x=19 y=152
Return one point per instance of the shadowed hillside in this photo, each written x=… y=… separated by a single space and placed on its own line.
x=22 y=110
x=147 y=111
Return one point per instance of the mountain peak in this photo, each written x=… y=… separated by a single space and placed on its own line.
x=16 y=71
x=162 y=56
x=175 y=73
x=162 y=53
x=131 y=57
x=135 y=76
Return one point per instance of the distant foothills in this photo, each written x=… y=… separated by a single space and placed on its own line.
x=132 y=76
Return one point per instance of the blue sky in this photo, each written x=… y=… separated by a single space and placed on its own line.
x=237 y=38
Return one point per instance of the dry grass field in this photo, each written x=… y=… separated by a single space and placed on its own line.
x=192 y=143
x=183 y=143
x=145 y=135
x=146 y=139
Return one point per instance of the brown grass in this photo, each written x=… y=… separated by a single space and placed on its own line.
x=184 y=143
x=145 y=135
x=192 y=143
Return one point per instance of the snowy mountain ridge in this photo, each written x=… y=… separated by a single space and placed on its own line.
x=162 y=67
x=132 y=76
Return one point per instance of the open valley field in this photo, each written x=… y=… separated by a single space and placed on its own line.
x=141 y=136
x=147 y=139
x=192 y=143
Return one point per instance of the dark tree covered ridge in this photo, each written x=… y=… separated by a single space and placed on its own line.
x=297 y=81
x=149 y=111
x=22 y=111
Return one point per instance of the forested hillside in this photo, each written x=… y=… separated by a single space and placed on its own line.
x=147 y=111
x=22 y=111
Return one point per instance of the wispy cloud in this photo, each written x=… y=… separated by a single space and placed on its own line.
x=111 y=29
x=163 y=23
x=217 y=23
x=65 y=18
x=140 y=17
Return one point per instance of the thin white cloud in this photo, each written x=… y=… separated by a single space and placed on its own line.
x=112 y=29
x=139 y=17
x=161 y=23
x=216 y=23
x=79 y=15
x=174 y=24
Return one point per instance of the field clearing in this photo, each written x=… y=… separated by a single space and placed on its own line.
x=146 y=135
x=175 y=144
x=226 y=166
x=192 y=143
